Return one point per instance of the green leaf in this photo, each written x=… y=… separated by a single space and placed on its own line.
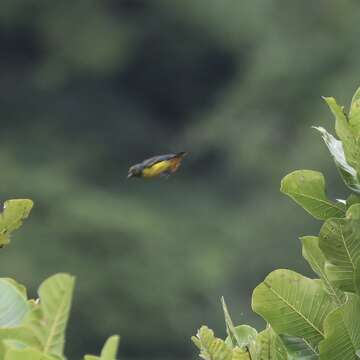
x=339 y=240
x=233 y=337
x=342 y=127
x=347 y=172
x=48 y=322
x=13 y=303
x=298 y=348
x=14 y=211
x=243 y=336
x=346 y=134
x=314 y=256
x=26 y=354
x=342 y=332
x=307 y=188
x=269 y=346
x=293 y=305
x=212 y=348
x=354 y=114
x=109 y=350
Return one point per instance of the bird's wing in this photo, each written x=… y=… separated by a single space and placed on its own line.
x=155 y=159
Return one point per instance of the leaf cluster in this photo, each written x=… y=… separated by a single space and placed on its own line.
x=310 y=318
x=34 y=329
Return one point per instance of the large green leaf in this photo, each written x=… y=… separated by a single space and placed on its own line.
x=298 y=348
x=212 y=348
x=269 y=346
x=307 y=188
x=109 y=350
x=347 y=172
x=293 y=305
x=11 y=216
x=339 y=240
x=315 y=257
x=13 y=304
x=342 y=332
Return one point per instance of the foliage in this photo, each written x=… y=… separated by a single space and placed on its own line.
x=215 y=348
x=12 y=214
x=313 y=318
x=35 y=329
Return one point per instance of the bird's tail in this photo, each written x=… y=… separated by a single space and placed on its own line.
x=181 y=154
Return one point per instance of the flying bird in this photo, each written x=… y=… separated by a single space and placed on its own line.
x=157 y=166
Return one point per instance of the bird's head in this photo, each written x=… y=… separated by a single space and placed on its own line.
x=135 y=171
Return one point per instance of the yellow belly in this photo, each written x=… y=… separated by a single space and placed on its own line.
x=157 y=169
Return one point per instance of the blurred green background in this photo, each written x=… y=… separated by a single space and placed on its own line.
x=90 y=87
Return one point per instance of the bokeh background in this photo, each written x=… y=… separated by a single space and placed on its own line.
x=89 y=87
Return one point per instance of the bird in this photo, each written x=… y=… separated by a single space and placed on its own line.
x=157 y=166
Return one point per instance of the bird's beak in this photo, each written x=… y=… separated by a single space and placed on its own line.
x=130 y=175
